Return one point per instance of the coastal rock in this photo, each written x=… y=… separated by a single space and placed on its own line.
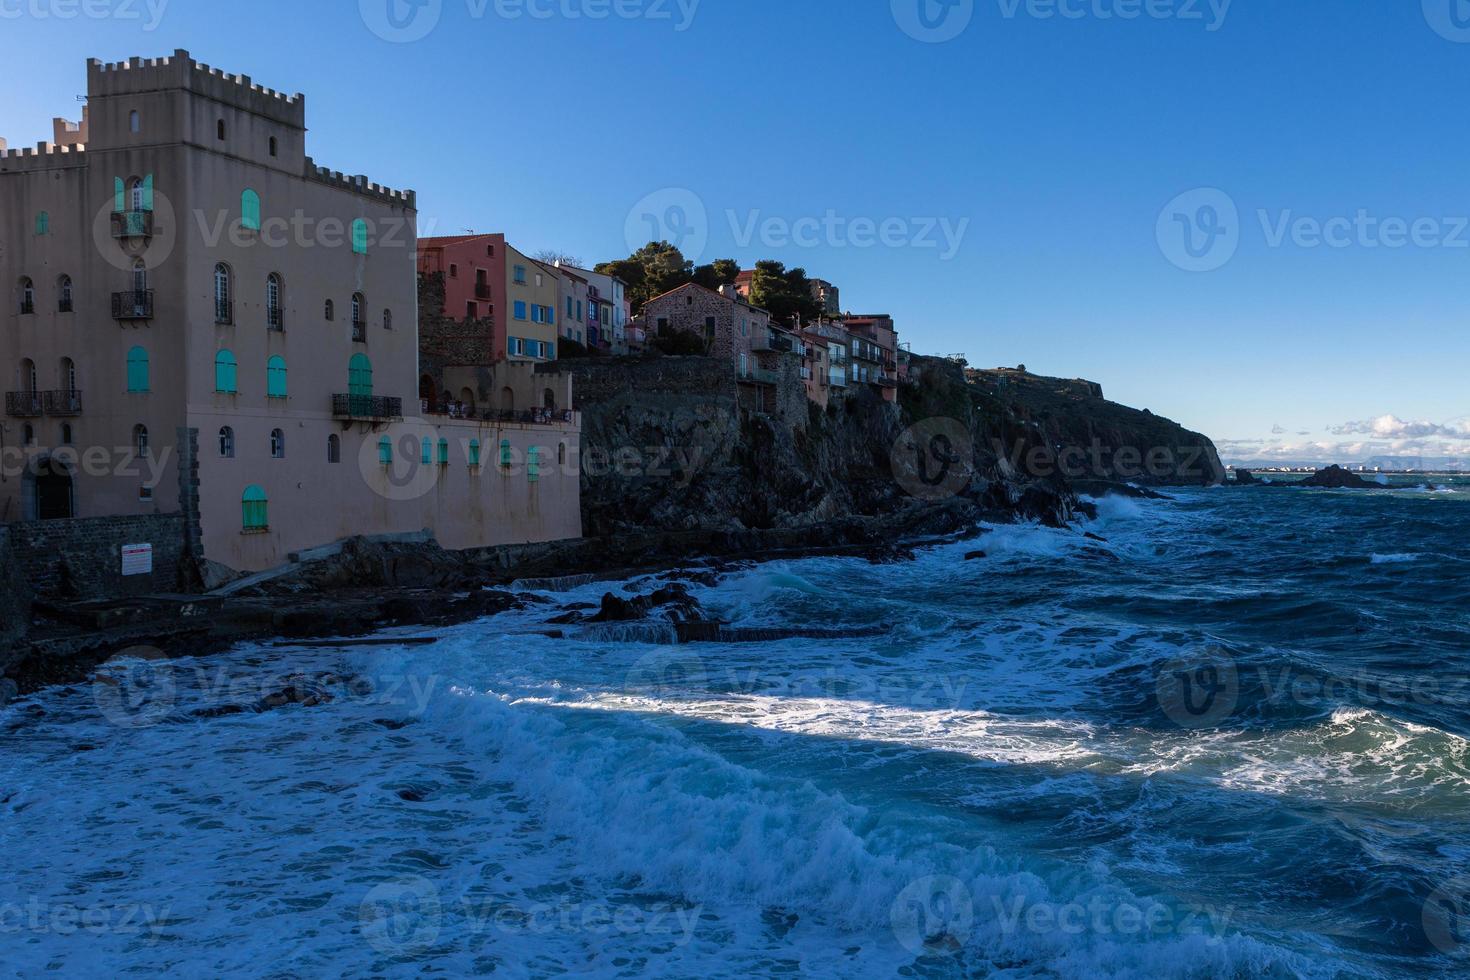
x=8 y=690
x=674 y=603
x=976 y=556
x=1245 y=478
x=1337 y=478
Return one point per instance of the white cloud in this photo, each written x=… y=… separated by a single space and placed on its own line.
x=1393 y=427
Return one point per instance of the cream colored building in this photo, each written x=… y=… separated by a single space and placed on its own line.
x=202 y=319
x=533 y=294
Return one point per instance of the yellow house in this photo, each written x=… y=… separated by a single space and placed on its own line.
x=532 y=291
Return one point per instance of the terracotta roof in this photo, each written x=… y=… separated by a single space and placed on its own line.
x=445 y=240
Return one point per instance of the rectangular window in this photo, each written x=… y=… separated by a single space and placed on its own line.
x=514 y=346
x=520 y=273
x=533 y=464
x=520 y=309
x=505 y=454
x=535 y=312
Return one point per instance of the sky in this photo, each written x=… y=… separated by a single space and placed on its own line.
x=1250 y=216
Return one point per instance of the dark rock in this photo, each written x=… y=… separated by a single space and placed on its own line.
x=1337 y=478
x=412 y=795
x=1094 y=537
x=673 y=601
x=8 y=690
x=975 y=555
x=1245 y=478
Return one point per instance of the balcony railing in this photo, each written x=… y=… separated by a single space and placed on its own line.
x=23 y=404
x=62 y=402
x=64 y=305
x=27 y=307
x=369 y=407
x=359 y=331
x=483 y=291
x=224 y=312
x=275 y=319
x=760 y=376
x=133 y=304
x=132 y=224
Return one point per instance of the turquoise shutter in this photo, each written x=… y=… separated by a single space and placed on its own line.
x=148 y=193
x=119 y=195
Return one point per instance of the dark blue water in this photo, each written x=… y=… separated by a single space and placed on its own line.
x=1230 y=740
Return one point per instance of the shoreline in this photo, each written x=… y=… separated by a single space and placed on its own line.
x=369 y=586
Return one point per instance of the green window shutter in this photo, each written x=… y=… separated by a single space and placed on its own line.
x=360 y=236
x=43 y=223
x=148 y=193
x=137 y=370
x=253 y=505
x=505 y=453
x=428 y=451
x=119 y=195
x=226 y=376
x=275 y=377
x=474 y=452
x=250 y=209
x=533 y=464
x=443 y=452
x=385 y=451
x=360 y=376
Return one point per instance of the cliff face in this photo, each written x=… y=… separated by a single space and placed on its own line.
x=666 y=446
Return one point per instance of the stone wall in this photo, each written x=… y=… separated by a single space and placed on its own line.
x=82 y=558
x=447 y=342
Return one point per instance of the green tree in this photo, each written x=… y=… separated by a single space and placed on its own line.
x=786 y=293
x=654 y=269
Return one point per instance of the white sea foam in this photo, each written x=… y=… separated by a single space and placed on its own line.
x=1394 y=559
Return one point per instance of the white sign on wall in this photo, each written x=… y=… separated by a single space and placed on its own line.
x=137 y=559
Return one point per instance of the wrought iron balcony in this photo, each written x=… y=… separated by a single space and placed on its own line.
x=23 y=404
x=132 y=224
x=483 y=291
x=367 y=407
x=359 y=331
x=133 y=304
x=62 y=402
x=275 y=319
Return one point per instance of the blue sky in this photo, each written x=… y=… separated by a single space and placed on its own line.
x=1034 y=176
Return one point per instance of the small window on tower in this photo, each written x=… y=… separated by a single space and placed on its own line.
x=219 y=129
x=135 y=122
x=273 y=146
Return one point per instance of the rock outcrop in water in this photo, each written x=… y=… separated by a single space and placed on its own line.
x=1337 y=478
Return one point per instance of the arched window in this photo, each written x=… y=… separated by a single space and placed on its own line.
x=254 y=509
x=387 y=319
x=360 y=376
x=137 y=370
x=68 y=375
x=135 y=195
x=474 y=452
x=140 y=281
x=227 y=442
x=428 y=451
x=135 y=122
x=219 y=129
x=360 y=236
x=385 y=451
x=27 y=295
x=223 y=308
x=357 y=305
x=273 y=317
x=66 y=433
x=28 y=376
x=226 y=373
x=443 y=452
x=250 y=210
x=43 y=223
x=275 y=377
x=273 y=146
x=278 y=444
x=140 y=440
x=63 y=294
x=334 y=449
x=329 y=311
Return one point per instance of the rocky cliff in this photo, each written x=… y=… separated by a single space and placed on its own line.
x=666 y=445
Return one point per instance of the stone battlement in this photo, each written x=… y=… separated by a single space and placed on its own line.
x=358 y=184
x=182 y=71
x=43 y=156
